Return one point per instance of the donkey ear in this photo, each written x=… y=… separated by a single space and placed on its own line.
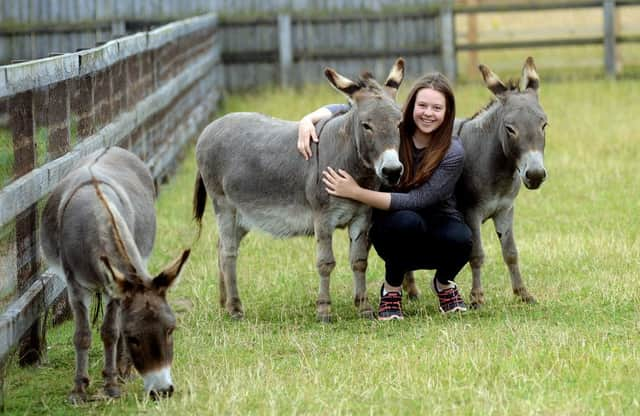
x=492 y=81
x=529 y=78
x=396 y=75
x=120 y=284
x=342 y=84
x=169 y=275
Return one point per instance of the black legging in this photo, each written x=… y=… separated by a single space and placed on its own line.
x=408 y=240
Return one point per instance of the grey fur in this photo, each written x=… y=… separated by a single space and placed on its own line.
x=497 y=160
x=98 y=228
x=251 y=169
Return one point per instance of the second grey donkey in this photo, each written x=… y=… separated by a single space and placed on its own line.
x=98 y=228
x=249 y=165
x=504 y=148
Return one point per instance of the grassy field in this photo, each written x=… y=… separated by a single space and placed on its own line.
x=575 y=353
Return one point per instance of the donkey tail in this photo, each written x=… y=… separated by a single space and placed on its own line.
x=199 y=201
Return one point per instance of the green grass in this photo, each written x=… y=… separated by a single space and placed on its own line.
x=6 y=157
x=575 y=353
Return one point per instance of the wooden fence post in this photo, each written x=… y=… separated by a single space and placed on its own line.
x=472 y=39
x=448 y=40
x=285 y=48
x=609 y=37
x=22 y=127
x=3 y=366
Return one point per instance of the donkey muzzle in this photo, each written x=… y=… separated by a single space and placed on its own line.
x=534 y=178
x=531 y=169
x=389 y=168
x=158 y=383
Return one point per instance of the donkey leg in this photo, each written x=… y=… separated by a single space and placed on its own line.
x=79 y=300
x=503 y=222
x=325 y=263
x=222 y=288
x=230 y=236
x=358 y=254
x=124 y=362
x=409 y=286
x=476 y=261
x=110 y=332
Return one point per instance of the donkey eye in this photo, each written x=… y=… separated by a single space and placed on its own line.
x=367 y=126
x=544 y=126
x=510 y=130
x=133 y=341
x=170 y=331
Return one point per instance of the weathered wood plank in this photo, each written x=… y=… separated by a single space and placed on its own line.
x=609 y=15
x=37 y=74
x=530 y=43
x=20 y=194
x=20 y=315
x=507 y=7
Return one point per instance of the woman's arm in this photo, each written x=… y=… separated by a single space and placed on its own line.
x=307 y=128
x=440 y=185
x=342 y=184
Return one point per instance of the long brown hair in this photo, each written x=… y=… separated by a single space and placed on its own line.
x=440 y=139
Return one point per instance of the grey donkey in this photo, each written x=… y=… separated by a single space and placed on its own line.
x=98 y=228
x=504 y=147
x=249 y=165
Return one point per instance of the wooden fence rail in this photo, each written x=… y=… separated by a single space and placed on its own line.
x=609 y=38
x=150 y=92
x=293 y=48
x=258 y=47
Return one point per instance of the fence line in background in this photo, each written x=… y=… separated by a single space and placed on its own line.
x=349 y=34
x=608 y=40
x=150 y=92
x=295 y=48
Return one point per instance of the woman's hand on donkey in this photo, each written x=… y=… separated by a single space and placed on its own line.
x=340 y=183
x=306 y=133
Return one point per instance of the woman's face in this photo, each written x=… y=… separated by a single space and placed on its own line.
x=429 y=110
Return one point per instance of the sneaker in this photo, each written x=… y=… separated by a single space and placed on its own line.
x=450 y=299
x=390 y=306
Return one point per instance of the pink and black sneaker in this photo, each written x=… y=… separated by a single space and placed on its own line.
x=390 y=306
x=450 y=299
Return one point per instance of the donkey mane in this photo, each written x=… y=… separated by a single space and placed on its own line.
x=95 y=182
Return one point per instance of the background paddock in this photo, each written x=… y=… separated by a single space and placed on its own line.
x=574 y=353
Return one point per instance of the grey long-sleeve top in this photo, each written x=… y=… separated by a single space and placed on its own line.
x=436 y=196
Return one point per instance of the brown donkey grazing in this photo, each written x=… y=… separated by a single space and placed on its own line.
x=98 y=229
x=249 y=165
x=504 y=147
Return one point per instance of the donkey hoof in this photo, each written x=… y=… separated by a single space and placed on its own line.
x=76 y=397
x=524 y=296
x=112 y=391
x=476 y=305
x=367 y=314
x=413 y=296
x=237 y=315
x=324 y=318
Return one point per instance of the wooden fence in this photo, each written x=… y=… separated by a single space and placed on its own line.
x=34 y=28
x=259 y=47
x=609 y=38
x=293 y=48
x=150 y=92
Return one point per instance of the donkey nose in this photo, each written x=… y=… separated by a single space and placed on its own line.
x=535 y=177
x=536 y=174
x=392 y=173
x=157 y=394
